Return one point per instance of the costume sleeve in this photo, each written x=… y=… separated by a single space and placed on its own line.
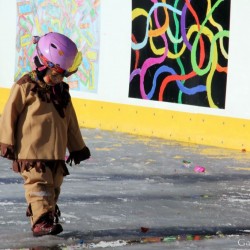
x=76 y=145
x=13 y=108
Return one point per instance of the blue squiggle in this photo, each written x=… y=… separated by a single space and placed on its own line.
x=185 y=90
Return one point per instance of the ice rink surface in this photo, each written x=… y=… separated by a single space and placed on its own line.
x=140 y=193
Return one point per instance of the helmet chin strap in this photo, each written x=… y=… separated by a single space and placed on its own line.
x=42 y=68
x=38 y=64
x=67 y=74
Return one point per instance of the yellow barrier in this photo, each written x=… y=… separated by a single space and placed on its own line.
x=171 y=125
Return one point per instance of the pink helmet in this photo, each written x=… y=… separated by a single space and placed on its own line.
x=57 y=51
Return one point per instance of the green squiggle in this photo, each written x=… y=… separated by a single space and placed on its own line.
x=179 y=62
x=214 y=54
x=207 y=32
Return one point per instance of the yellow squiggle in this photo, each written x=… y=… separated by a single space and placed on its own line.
x=157 y=51
x=214 y=55
x=219 y=27
x=139 y=12
x=158 y=32
x=192 y=29
x=210 y=75
x=162 y=29
x=214 y=52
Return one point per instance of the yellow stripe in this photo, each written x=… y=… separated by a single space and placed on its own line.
x=240 y=169
x=203 y=129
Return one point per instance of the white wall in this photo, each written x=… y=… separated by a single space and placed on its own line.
x=238 y=86
x=7 y=41
x=114 y=62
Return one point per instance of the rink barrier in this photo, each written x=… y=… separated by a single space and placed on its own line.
x=225 y=132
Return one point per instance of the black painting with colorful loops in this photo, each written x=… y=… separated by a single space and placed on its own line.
x=180 y=51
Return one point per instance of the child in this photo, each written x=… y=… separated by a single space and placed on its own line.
x=38 y=124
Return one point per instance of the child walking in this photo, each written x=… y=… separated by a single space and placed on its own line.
x=39 y=124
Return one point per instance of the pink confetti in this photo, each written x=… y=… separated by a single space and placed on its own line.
x=199 y=169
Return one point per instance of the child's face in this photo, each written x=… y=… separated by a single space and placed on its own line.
x=52 y=77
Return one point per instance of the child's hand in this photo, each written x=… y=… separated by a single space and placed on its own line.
x=78 y=156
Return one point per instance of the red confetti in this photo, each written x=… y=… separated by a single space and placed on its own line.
x=144 y=229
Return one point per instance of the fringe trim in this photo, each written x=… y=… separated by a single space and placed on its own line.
x=21 y=165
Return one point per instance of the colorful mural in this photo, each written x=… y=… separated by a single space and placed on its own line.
x=180 y=51
x=78 y=19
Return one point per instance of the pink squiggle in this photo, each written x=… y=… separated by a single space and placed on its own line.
x=152 y=61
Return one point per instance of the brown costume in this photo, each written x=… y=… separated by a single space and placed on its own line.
x=38 y=124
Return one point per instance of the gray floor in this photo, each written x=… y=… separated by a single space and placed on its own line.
x=134 y=182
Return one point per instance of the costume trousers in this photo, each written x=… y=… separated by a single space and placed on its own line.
x=42 y=189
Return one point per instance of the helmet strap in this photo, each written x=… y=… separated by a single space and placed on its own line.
x=38 y=64
x=41 y=73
